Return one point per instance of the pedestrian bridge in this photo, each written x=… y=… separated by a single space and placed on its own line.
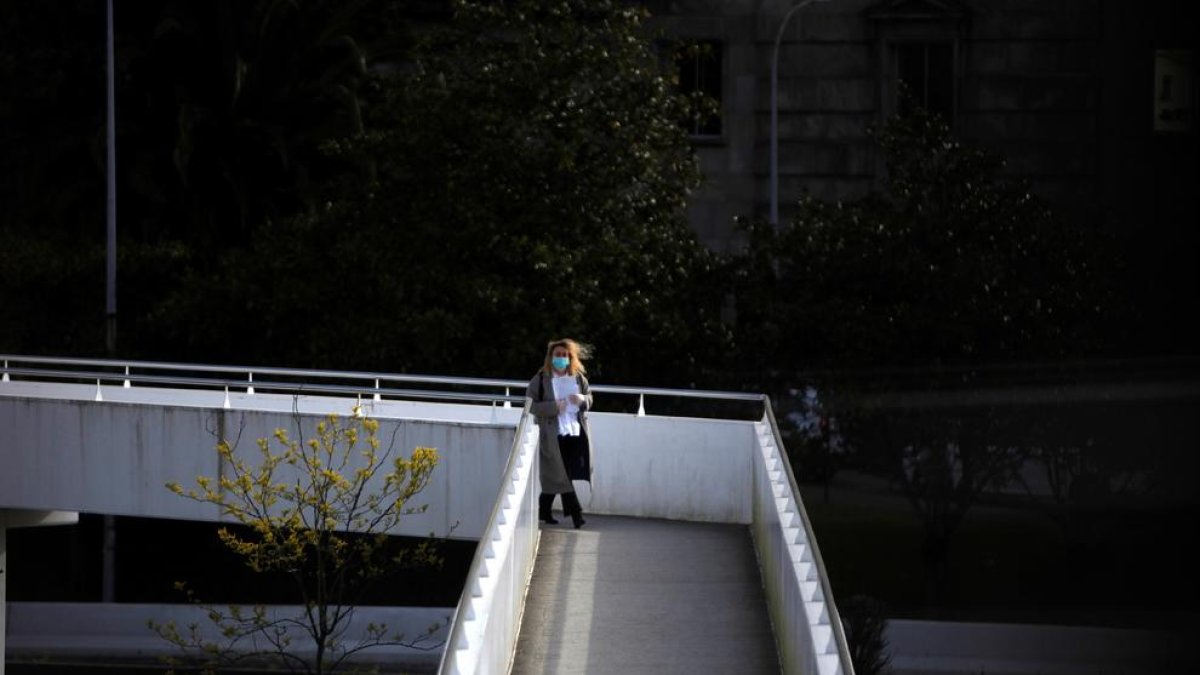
x=697 y=555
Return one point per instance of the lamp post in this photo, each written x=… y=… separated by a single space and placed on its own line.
x=108 y=573
x=110 y=268
x=775 y=110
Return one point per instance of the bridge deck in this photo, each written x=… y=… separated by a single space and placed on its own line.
x=632 y=595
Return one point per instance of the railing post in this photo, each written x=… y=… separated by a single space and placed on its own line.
x=126 y=383
x=377 y=396
x=5 y=378
x=99 y=396
x=507 y=403
x=250 y=386
x=641 y=405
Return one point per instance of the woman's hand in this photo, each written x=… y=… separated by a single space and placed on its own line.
x=577 y=399
x=562 y=405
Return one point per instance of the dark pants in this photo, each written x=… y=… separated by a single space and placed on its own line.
x=575 y=460
x=574 y=452
x=570 y=502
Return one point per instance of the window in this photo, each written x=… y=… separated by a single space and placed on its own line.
x=919 y=45
x=700 y=70
x=1174 y=97
x=925 y=73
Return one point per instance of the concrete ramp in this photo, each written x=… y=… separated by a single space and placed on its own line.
x=637 y=595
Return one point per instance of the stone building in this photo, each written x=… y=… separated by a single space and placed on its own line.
x=1093 y=101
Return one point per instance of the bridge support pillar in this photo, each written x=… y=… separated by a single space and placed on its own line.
x=10 y=518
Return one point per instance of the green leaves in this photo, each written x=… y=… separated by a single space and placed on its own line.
x=522 y=176
x=319 y=510
x=949 y=263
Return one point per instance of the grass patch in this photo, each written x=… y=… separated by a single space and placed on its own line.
x=1013 y=563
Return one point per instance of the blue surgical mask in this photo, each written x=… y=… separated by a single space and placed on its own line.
x=560 y=362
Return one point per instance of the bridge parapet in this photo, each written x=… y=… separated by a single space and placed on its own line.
x=101 y=440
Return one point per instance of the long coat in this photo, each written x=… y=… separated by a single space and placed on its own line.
x=554 y=476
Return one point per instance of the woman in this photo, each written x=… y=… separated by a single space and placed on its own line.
x=561 y=398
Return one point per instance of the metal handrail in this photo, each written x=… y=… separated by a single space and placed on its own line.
x=835 y=619
x=682 y=393
x=268 y=385
x=122 y=372
x=263 y=370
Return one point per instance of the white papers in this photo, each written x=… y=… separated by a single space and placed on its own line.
x=568 y=419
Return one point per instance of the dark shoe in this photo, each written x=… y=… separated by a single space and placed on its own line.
x=571 y=505
x=545 y=504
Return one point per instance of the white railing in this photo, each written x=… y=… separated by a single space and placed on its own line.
x=483 y=636
x=250 y=380
x=482 y=640
x=808 y=629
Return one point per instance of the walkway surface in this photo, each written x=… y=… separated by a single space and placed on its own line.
x=633 y=595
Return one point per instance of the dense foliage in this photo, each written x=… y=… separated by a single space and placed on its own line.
x=522 y=178
x=515 y=174
x=950 y=263
x=468 y=180
x=892 y=304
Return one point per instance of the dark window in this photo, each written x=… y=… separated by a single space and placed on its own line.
x=925 y=71
x=700 y=79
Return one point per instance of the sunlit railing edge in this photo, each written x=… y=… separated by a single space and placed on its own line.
x=250 y=379
x=486 y=545
x=838 y=630
x=470 y=648
x=246 y=372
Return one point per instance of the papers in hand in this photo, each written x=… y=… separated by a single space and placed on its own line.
x=568 y=419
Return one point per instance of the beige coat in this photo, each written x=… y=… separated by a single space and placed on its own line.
x=553 y=475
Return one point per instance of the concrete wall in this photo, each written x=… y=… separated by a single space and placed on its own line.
x=90 y=632
x=115 y=458
x=68 y=451
x=944 y=648
x=670 y=467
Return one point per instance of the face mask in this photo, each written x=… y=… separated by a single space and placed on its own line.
x=560 y=362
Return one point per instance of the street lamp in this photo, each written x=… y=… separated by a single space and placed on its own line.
x=775 y=110
x=110 y=267
x=108 y=563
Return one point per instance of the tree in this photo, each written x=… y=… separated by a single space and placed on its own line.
x=949 y=265
x=942 y=460
x=522 y=176
x=51 y=177
x=52 y=119
x=318 y=510
x=226 y=104
x=520 y=170
x=221 y=109
x=865 y=622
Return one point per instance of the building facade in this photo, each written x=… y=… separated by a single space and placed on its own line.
x=1092 y=101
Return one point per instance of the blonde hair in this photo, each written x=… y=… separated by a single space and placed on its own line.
x=576 y=351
